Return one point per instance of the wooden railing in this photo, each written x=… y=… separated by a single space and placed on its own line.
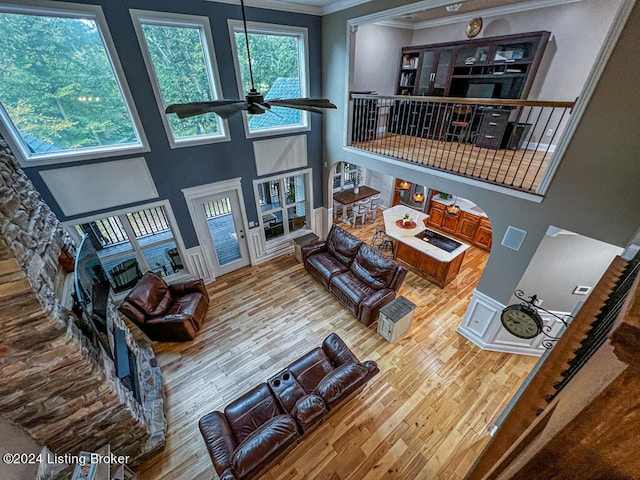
x=503 y=142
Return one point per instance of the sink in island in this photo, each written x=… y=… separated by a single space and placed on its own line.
x=431 y=254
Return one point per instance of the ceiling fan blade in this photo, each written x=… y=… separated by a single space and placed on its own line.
x=309 y=104
x=222 y=108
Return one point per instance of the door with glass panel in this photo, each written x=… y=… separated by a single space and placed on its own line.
x=226 y=238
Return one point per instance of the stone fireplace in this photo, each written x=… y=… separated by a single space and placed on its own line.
x=55 y=384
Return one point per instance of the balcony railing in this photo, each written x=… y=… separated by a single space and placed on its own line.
x=502 y=142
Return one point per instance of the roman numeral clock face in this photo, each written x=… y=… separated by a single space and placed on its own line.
x=521 y=321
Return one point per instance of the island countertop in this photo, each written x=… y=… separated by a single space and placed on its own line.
x=407 y=235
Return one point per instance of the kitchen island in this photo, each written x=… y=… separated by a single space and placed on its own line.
x=431 y=254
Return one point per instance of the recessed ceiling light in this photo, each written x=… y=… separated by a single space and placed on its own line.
x=454 y=7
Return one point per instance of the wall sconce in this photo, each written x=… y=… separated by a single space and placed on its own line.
x=418 y=196
x=404 y=185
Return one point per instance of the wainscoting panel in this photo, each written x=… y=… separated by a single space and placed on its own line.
x=198 y=265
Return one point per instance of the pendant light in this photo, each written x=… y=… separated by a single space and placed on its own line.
x=404 y=185
x=418 y=197
x=453 y=209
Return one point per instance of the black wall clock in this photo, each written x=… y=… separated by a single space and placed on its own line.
x=522 y=321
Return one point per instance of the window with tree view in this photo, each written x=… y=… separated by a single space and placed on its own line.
x=181 y=62
x=59 y=89
x=279 y=71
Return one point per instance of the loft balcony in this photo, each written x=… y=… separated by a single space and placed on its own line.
x=510 y=143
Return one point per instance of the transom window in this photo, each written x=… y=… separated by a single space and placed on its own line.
x=61 y=88
x=280 y=66
x=283 y=203
x=180 y=59
x=132 y=243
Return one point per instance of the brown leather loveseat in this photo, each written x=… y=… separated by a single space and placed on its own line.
x=269 y=420
x=361 y=278
x=166 y=313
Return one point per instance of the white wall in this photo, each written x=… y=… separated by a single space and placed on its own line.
x=561 y=263
x=377 y=58
x=578 y=30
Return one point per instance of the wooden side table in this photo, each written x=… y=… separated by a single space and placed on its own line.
x=395 y=318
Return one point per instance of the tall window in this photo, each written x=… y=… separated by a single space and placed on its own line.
x=280 y=66
x=283 y=203
x=132 y=243
x=179 y=54
x=61 y=89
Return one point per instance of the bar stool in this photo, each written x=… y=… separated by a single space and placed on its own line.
x=382 y=242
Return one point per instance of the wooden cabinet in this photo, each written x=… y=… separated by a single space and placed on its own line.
x=492 y=127
x=507 y=63
x=440 y=273
x=467 y=226
x=450 y=223
x=436 y=214
x=483 y=235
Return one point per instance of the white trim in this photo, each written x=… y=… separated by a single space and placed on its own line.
x=278 y=5
x=201 y=24
x=198 y=264
x=193 y=194
x=303 y=71
x=75 y=11
x=481 y=325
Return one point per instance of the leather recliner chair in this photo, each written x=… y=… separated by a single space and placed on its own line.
x=166 y=313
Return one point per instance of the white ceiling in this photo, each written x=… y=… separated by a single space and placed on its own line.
x=418 y=14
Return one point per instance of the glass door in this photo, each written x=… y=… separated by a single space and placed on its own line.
x=226 y=237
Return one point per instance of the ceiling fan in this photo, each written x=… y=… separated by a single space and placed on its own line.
x=254 y=101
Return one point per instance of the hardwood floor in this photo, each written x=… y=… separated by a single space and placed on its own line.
x=522 y=169
x=425 y=416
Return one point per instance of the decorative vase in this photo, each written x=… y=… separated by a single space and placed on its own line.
x=356 y=189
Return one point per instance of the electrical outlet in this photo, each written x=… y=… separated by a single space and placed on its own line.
x=550 y=132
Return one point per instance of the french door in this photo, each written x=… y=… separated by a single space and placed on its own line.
x=220 y=229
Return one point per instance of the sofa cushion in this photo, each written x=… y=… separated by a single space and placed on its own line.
x=373 y=268
x=264 y=444
x=350 y=290
x=323 y=266
x=341 y=382
x=311 y=368
x=247 y=413
x=193 y=304
x=342 y=245
x=151 y=294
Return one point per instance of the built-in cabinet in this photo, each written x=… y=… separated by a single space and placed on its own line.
x=436 y=271
x=470 y=228
x=494 y=67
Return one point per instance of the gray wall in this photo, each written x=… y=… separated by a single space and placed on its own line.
x=594 y=191
x=175 y=169
x=562 y=262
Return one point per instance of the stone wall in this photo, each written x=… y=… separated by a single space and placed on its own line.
x=54 y=384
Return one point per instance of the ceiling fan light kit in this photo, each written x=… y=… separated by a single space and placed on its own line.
x=254 y=102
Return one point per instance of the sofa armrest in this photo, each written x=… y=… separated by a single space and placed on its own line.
x=337 y=351
x=132 y=312
x=311 y=249
x=220 y=441
x=398 y=278
x=371 y=305
x=196 y=286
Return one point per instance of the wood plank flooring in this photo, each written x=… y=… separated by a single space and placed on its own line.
x=522 y=169
x=425 y=416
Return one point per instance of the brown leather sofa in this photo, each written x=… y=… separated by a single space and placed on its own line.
x=166 y=313
x=361 y=278
x=268 y=421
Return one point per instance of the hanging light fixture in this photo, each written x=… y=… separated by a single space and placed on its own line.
x=418 y=196
x=404 y=185
x=453 y=209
